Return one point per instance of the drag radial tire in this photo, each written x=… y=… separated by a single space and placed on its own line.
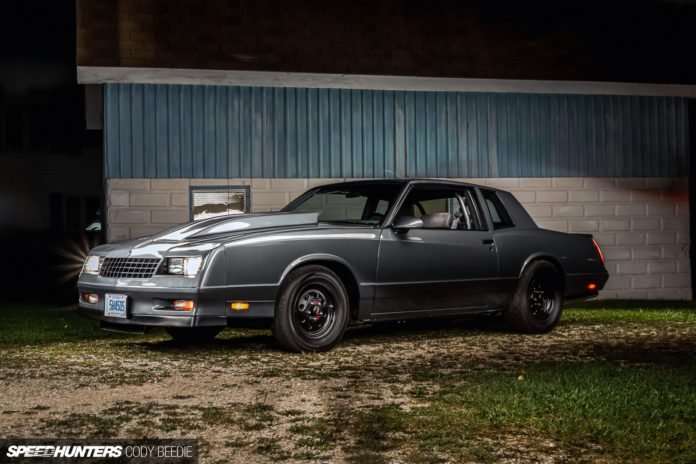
x=311 y=311
x=193 y=334
x=536 y=306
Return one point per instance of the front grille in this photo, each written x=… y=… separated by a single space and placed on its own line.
x=133 y=268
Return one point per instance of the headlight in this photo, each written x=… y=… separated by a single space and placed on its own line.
x=92 y=265
x=187 y=267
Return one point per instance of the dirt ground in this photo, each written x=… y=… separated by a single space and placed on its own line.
x=246 y=401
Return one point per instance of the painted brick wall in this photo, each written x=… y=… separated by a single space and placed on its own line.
x=393 y=37
x=642 y=224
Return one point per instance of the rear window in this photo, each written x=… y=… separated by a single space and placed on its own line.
x=499 y=214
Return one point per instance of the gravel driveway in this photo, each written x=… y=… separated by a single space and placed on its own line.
x=246 y=401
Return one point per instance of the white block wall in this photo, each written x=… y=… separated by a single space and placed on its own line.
x=641 y=224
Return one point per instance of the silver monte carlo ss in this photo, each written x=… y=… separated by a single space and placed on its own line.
x=342 y=254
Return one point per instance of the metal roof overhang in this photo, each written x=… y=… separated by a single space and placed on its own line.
x=125 y=75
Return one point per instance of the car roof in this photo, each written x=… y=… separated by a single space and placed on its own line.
x=402 y=181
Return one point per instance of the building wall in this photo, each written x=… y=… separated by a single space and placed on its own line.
x=641 y=223
x=199 y=131
x=449 y=38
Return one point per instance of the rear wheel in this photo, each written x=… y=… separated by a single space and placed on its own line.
x=536 y=306
x=193 y=334
x=312 y=310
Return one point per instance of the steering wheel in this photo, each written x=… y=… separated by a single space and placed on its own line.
x=420 y=208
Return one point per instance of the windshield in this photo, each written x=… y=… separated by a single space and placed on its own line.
x=354 y=204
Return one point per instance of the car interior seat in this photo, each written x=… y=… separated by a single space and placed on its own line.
x=436 y=221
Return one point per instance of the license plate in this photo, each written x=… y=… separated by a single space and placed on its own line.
x=115 y=305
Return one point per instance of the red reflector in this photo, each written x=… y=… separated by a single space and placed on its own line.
x=591 y=286
x=183 y=305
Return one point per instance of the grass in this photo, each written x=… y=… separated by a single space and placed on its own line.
x=32 y=324
x=37 y=324
x=630 y=396
x=595 y=409
x=617 y=312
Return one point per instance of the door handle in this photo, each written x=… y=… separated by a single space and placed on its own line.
x=488 y=241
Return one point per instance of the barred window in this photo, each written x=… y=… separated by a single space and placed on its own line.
x=207 y=202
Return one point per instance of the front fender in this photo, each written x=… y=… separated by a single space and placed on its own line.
x=215 y=269
x=314 y=257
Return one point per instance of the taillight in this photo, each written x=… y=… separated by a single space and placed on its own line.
x=599 y=252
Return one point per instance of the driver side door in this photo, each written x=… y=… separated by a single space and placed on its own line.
x=450 y=265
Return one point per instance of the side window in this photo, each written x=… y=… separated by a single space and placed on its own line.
x=499 y=214
x=442 y=209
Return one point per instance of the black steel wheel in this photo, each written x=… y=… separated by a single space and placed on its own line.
x=312 y=310
x=537 y=303
x=541 y=296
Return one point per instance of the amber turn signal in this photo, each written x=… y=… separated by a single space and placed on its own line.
x=90 y=297
x=239 y=306
x=183 y=305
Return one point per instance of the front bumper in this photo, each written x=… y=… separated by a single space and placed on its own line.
x=150 y=303
x=152 y=307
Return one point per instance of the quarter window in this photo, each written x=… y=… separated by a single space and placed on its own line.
x=499 y=214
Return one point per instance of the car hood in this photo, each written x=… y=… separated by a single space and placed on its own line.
x=205 y=235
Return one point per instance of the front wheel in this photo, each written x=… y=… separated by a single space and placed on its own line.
x=312 y=310
x=193 y=334
x=536 y=306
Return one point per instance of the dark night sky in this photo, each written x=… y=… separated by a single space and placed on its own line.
x=38 y=44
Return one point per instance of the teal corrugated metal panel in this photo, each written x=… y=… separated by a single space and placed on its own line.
x=217 y=132
x=124 y=124
x=258 y=139
x=368 y=134
x=137 y=135
x=378 y=135
x=112 y=150
x=389 y=131
x=345 y=165
x=274 y=116
x=185 y=125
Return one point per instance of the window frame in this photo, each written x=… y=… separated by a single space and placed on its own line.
x=398 y=197
x=203 y=188
x=456 y=192
x=500 y=207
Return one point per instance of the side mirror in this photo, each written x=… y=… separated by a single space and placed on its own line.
x=406 y=223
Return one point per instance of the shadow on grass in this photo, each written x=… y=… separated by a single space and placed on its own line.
x=614 y=346
x=240 y=342
x=385 y=332
x=27 y=324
